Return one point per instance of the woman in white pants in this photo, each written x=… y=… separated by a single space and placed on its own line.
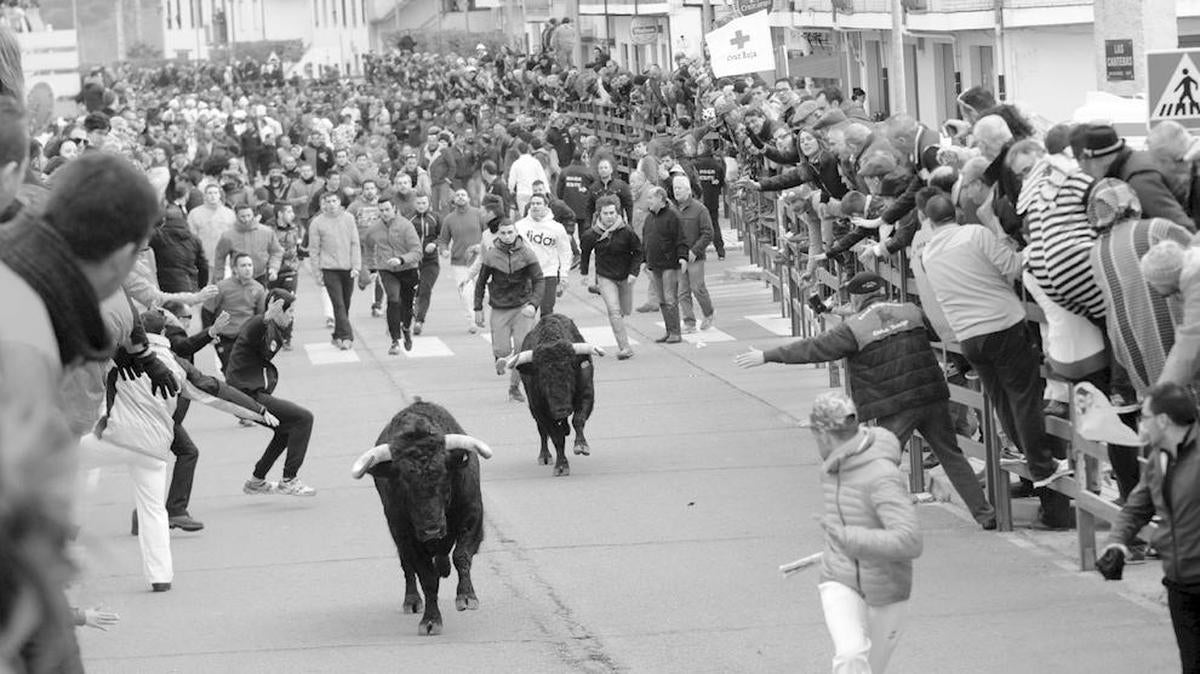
x=871 y=536
x=137 y=429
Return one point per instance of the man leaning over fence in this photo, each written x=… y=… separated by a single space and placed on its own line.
x=894 y=378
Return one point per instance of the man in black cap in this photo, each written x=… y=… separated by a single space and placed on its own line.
x=1101 y=153
x=894 y=376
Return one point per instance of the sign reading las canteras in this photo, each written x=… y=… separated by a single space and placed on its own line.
x=742 y=46
x=1173 y=87
x=1118 y=60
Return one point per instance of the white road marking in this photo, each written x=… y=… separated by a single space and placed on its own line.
x=709 y=336
x=601 y=335
x=773 y=323
x=428 y=347
x=324 y=353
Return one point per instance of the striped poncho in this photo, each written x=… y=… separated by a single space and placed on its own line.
x=1141 y=323
x=1054 y=204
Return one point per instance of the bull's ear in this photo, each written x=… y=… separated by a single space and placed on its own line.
x=457 y=458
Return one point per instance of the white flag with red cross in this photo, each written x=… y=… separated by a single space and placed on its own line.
x=742 y=46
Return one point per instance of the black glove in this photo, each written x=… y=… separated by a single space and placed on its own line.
x=162 y=381
x=1111 y=564
x=127 y=366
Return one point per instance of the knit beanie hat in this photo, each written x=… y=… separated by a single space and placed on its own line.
x=1111 y=201
x=833 y=411
x=1161 y=266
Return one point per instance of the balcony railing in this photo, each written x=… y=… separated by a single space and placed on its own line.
x=937 y=6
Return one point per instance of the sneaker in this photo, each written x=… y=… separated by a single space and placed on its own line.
x=257 y=486
x=1062 y=469
x=346 y=345
x=1010 y=456
x=329 y=322
x=407 y=339
x=394 y=349
x=706 y=322
x=502 y=366
x=515 y=395
x=663 y=339
x=160 y=587
x=185 y=522
x=376 y=312
x=673 y=339
x=625 y=354
x=246 y=423
x=594 y=289
x=647 y=308
x=689 y=328
x=294 y=487
x=418 y=327
x=472 y=329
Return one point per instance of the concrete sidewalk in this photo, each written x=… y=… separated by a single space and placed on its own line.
x=657 y=554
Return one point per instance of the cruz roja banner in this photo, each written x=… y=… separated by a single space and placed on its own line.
x=742 y=46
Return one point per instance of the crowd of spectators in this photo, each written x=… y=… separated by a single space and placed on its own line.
x=1098 y=233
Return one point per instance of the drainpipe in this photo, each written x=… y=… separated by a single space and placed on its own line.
x=1001 y=90
x=900 y=79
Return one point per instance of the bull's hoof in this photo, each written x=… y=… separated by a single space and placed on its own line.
x=412 y=604
x=466 y=603
x=582 y=448
x=562 y=470
x=429 y=628
x=544 y=459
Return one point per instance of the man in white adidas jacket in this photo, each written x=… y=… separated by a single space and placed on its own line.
x=137 y=429
x=550 y=242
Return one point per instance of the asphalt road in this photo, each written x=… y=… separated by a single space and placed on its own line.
x=659 y=552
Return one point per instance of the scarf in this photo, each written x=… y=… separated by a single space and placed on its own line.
x=37 y=254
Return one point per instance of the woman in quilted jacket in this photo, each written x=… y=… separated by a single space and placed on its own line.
x=871 y=536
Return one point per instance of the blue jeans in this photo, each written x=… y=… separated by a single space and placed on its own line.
x=665 y=282
x=692 y=283
x=618 y=300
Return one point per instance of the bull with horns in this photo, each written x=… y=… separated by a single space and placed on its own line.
x=426 y=471
x=556 y=370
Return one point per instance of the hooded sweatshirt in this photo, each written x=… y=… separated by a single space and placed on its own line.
x=511 y=276
x=550 y=243
x=257 y=241
x=864 y=490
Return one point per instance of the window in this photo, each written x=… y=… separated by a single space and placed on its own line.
x=984 y=72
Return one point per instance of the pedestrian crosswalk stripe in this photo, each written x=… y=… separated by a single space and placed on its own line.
x=773 y=323
x=428 y=347
x=709 y=336
x=601 y=335
x=324 y=353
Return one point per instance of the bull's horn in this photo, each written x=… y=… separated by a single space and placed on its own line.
x=369 y=458
x=459 y=441
x=585 y=349
x=520 y=359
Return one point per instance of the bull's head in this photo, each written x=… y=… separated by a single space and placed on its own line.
x=424 y=459
x=555 y=366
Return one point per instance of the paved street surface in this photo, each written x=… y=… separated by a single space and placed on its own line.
x=659 y=552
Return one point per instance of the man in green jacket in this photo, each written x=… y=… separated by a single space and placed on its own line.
x=512 y=277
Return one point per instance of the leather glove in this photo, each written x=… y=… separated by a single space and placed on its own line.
x=1111 y=564
x=126 y=365
x=162 y=381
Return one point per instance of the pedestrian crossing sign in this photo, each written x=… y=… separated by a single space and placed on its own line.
x=1173 y=87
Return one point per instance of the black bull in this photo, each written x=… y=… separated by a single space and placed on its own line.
x=559 y=383
x=433 y=505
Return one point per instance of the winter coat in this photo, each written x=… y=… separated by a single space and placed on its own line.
x=618 y=252
x=511 y=276
x=1168 y=488
x=866 y=493
x=333 y=242
x=889 y=360
x=1143 y=174
x=614 y=186
x=182 y=264
x=574 y=187
x=662 y=240
x=250 y=369
x=428 y=228
x=141 y=421
x=696 y=225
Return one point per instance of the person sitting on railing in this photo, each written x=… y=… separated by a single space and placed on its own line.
x=1167 y=489
x=972 y=274
x=894 y=376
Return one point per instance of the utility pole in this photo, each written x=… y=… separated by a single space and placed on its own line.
x=899 y=72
